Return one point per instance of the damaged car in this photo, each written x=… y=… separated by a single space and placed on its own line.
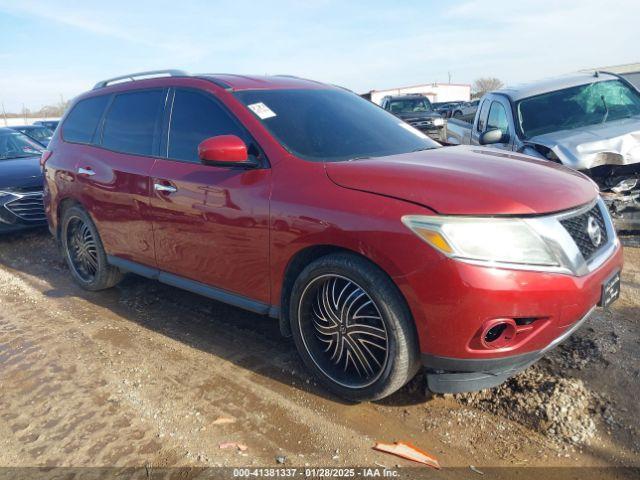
x=589 y=122
x=417 y=111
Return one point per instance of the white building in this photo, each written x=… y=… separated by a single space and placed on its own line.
x=436 y=92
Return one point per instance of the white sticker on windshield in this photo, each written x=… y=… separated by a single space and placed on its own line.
x=413 y=130
x=262 y=110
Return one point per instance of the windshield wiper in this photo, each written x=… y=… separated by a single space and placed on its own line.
x=606 y=109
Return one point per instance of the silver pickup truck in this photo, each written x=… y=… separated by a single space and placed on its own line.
x=589 y=122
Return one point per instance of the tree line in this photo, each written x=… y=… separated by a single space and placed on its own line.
x=55 y=110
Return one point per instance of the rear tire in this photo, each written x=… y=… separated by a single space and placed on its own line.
x=352 y=328
x=84 y=252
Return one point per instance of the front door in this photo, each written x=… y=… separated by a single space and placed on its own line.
x=210 y=223
x=499 y=119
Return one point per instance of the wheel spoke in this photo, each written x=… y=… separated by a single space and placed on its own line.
x=359 y=356
x=351 y=335
x=325 y=330
x=349 y=301
x=91 y=261
x=83 y=249
x=326 y=304
x=362 y=329
x=339 y=350
x=364 y=343
x=365 y=304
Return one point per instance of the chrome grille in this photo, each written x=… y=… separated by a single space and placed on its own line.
x=577 y=228
x=28 y=207
x=422 y=123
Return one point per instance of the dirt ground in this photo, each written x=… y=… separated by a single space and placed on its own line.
x=143 y=374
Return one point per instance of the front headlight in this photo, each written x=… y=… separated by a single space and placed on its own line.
x=487 y=240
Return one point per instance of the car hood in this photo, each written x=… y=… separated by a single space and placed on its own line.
x=20 y=173
x=467 y=180
x=614 y=143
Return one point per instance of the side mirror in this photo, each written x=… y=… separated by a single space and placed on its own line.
x=493 y=136
x=224 y=150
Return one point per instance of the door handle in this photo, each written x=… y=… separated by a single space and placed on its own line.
x=159 y=187
x=86 y=171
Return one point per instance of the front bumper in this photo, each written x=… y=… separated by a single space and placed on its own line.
x=436 y=132
x=456 y=375
x=453 y=302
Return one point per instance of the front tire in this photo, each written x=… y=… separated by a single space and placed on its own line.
x=352 y=328
x=84 y=252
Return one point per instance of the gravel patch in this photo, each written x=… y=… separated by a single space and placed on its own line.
x=562 y=409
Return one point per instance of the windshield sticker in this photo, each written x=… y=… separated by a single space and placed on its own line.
x=413 y=130
x=261 y=110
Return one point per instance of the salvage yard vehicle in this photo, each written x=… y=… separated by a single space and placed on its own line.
x=417 y=111
x=39 y=133
x=588 y=122
x=21 y=205
x=465 y=109
x=446 y=109
x=305 y=202
x=50 y=124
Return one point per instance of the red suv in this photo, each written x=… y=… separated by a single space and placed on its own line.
x=377 y=250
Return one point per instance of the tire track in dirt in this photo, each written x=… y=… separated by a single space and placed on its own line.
x=137 y=375
x=93 y=389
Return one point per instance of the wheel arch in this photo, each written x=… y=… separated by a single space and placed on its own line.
x=63 y=204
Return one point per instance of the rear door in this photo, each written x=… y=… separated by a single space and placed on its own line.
x=115 y=176
x=211 y=223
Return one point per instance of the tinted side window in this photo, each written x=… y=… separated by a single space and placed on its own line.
x=82 y=121
x=498 y=118
x=132 y=122
x=482 y=119
x=196 y=117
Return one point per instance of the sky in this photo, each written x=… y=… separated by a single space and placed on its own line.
x=53 y=49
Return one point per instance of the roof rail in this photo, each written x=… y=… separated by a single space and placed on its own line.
x=133 y=76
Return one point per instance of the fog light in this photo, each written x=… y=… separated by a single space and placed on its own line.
x=498 y=333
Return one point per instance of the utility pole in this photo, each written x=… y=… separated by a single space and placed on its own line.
x=4 y=114
x=24 y=113
x=449 y=73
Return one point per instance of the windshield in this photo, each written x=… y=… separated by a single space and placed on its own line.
x=40 y=134
x=576 y=107
x=332 y=125
x=410 y=105
x=17 y=145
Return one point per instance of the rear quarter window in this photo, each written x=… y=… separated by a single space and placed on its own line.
x=82 y=122
x=133 y=121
